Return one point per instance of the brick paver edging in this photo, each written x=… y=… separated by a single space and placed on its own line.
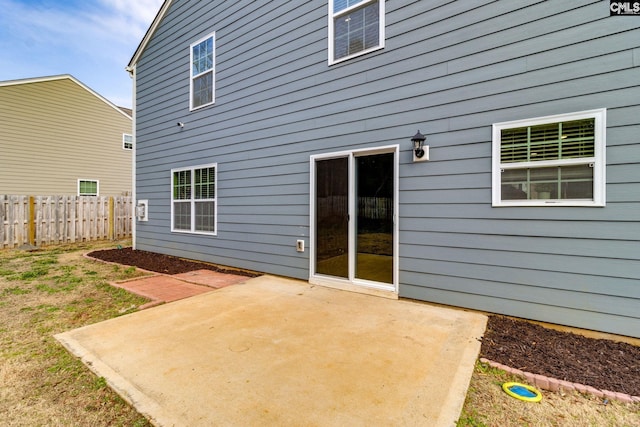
x=552 y=384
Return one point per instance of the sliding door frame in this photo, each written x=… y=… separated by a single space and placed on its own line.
x=352 y=283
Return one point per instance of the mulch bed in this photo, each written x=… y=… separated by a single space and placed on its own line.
x=160 y=263
x=600 y=363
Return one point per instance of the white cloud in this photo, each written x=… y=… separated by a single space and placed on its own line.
x=129 y=18
x=92 y=40
x=142 y=11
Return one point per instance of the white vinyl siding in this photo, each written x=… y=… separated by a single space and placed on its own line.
x=193 y=199
x=202 y=77
x=355 y=28
x=550 y=161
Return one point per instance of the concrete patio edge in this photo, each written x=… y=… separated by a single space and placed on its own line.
x=146 y=406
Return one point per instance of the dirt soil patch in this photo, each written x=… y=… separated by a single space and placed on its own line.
x=600 y=363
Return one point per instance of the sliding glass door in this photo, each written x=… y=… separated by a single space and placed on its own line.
x=354 y=211
x=332 y=217
x=374 y=217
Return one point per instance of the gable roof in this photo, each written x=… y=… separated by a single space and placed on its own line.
x=147 y=37
x=62 y=77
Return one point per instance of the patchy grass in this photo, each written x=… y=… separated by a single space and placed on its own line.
x=43 y=293
x=15 y=290
x=487 y=405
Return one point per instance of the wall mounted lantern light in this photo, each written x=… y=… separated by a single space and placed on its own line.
x=420 y=151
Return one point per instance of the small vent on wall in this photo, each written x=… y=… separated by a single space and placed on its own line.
x=142 y=210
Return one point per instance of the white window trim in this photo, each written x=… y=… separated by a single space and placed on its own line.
x=89 y=180
x=332 y=16
x=192 y=77
x=124 y=135
x=193 y=201
x=598 y=161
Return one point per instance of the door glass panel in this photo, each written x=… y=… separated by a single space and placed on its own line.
x=332 y=217
x=374 y=227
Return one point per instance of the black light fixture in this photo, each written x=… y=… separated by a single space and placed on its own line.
x=418 y=145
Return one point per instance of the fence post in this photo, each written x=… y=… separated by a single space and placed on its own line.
x=32 y=220
x=110 y=232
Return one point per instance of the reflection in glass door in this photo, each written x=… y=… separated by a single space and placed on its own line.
x=374 y=228
x=354 y=217
x=332 y=217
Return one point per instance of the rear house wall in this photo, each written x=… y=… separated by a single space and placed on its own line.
x=451 y=70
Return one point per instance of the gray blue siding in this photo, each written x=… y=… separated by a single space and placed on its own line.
x=450 y=69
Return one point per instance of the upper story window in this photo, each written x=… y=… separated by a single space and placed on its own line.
x=127 y=141
x=203 y=72
x=550 y=161
x=355 y=27
x=193 y=199
x=87 y=187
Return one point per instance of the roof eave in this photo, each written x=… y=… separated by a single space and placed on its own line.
x=63 y=77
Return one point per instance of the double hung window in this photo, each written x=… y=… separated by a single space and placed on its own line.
x=193 y=199
x=87 y=187
x=550 y=161
x=203 y=72
x=355 y=27
x=127 y=141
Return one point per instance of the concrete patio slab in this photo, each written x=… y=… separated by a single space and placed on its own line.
x=276 y=351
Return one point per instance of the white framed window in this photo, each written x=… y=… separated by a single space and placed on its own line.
x=193 y=199
x=127 y=141
x=356 y=27
x=550 y=161
x=88 y=187
x=202 y=76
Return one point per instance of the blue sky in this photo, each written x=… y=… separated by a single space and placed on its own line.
x=93 y=40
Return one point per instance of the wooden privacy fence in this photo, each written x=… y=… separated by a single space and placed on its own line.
x=375 y=208
x=368 y=207
x=47 y=220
